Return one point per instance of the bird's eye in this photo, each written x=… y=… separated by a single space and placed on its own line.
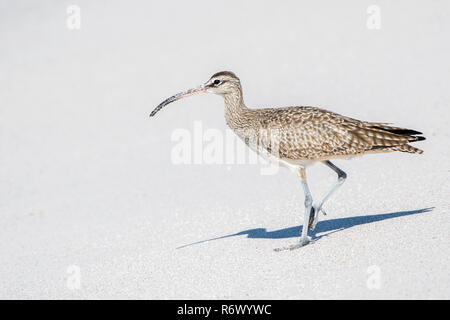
x=216 y=82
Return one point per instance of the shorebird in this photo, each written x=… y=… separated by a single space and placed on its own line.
x=297 y=137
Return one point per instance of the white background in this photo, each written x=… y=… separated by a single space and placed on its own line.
x=86 y=178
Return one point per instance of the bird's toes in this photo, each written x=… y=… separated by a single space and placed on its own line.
x=303 y=242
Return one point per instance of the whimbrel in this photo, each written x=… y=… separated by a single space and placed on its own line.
x=296 y=137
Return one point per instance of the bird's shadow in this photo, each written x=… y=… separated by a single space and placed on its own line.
x=329 y=226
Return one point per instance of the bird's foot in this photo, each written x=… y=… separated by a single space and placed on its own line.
x=303 y=242
x=314 y=216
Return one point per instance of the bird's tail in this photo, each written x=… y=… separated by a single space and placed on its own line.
x=408 y=148
x=401 y=148
x=398 y=138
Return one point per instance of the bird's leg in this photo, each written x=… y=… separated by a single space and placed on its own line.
x=304 y=238
x=314 y=217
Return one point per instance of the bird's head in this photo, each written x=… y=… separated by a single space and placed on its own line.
x=222 y=83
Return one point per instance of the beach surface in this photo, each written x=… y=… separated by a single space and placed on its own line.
x=93 y=205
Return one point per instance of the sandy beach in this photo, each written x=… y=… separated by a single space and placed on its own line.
x=92 y=205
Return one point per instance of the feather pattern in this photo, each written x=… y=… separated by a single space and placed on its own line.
x=309 y=133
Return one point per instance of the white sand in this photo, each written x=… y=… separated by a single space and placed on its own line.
x=92 y=207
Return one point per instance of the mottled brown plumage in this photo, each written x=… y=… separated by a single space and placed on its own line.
x=316 y=134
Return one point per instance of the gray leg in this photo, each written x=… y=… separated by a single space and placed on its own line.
x=304 y=238
x=308 y=207
x=314 y=217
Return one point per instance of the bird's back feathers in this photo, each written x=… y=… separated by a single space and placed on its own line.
x=317 y=134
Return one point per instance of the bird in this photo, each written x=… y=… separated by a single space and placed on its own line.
x=297 y=137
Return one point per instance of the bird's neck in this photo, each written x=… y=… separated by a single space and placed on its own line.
x=234 y=100
x=235 y=109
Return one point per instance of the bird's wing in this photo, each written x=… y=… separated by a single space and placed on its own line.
x=313 y=133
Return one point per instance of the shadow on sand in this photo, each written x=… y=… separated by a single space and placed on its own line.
x=330 y=226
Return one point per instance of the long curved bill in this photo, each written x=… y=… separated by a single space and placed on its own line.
x=178 y=96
